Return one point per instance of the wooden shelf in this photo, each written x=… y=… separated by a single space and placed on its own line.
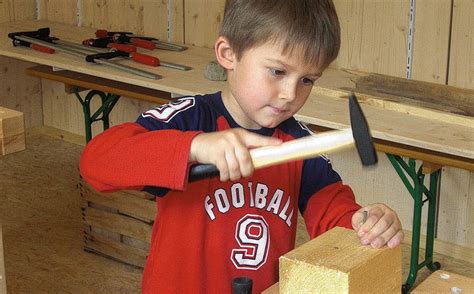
x=446 y=137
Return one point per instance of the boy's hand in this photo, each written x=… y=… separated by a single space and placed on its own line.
x=381 y=226
x=229 y=151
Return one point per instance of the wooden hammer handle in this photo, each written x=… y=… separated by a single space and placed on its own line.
x=303 y=148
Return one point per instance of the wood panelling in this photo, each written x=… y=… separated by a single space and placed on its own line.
x=155 y=19
x=461 y=65
x=14 y=10
x=431 y=41
x=202 y=20
x=64 y=11
x=457 y=217
x=20 y=92
x=17 y=91
x=176 y=21
x=119 y=15
x=373 y=35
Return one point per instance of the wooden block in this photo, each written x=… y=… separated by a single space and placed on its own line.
x=12 y=131
x=272 y=290
x=3 y=284
x=118 y=225
x=445 y=282
x=336 y=262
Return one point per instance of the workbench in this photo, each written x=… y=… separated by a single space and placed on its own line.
x=421 y=136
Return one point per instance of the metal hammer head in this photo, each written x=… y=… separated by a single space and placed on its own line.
x=360 y=131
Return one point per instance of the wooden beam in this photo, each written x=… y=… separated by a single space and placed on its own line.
x=12 y=131
x=429 y=167
x=336 y=262
x=85 y=81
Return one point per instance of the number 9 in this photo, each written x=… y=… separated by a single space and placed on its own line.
x=252 y=235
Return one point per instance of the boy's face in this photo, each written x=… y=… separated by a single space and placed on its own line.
x=267 y=87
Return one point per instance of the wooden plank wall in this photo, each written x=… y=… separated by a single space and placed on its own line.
x=456 y=216
x=374 y=39
x=17 y=91
x=370 y=32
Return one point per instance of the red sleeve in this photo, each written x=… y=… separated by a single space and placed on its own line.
x=332 y=206
x=128 y=156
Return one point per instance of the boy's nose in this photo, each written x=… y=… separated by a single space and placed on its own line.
x=289 y=91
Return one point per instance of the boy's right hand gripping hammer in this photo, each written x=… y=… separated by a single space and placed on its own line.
x=309 y=146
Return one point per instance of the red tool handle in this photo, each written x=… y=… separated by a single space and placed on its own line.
x=143 y=43
x=145 y=59
x=123 y=47
x=42 y=48
x=101 y=33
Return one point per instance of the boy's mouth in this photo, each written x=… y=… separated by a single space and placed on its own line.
x=278 y=110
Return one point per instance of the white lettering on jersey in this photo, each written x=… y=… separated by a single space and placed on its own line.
x=222 y=200
x=237 y=191
x=252 y=203
x=261 y=192
x=251 y=233
x=219 y=201
x=275 y=201
x=282 y=214
x=166 y=112
x=208 y=207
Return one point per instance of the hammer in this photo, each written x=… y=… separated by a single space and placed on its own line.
x=309 y=146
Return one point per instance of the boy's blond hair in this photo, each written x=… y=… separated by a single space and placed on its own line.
x=311 y=25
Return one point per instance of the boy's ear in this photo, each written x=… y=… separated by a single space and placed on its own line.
x=224 y=53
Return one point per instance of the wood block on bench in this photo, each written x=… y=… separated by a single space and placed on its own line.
x=118 y=225
x=336 y=262
x=12 y=131
x=445 y=282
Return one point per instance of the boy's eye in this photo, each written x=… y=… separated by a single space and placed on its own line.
x=308 y=81
x=277 y=72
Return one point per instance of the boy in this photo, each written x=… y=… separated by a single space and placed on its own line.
x=208 y=232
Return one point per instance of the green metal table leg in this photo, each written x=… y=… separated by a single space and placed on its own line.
x=108 y=103
x=417 y=190
x=431 y=224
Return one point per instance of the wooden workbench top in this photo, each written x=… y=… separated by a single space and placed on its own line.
x=432 y=130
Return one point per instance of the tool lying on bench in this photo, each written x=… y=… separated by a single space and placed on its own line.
x=107 y=43
x=310 y=146
x=40 y=40
x=139 y=41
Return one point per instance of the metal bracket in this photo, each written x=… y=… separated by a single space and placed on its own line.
x=102 y=113
x=417 y=190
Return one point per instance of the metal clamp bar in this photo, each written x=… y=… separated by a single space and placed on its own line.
x=81 y=54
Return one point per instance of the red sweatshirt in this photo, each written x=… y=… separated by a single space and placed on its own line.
x=207 y=232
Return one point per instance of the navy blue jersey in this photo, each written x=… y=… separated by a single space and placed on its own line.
x=208 y=232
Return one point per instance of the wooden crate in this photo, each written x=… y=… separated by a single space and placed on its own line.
x=118 y=225
x=12 y=131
